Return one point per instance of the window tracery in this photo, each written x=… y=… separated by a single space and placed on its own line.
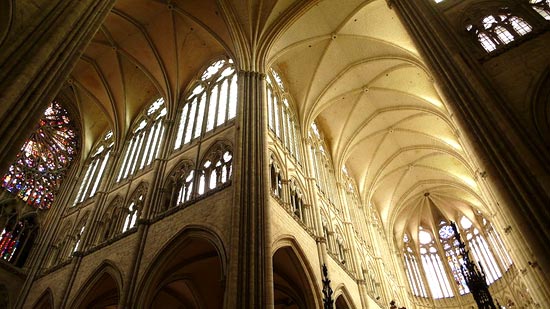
x=281 y=118
x=276 y=178
x=485 y=247
x=412 y=271
x=144 y=141
x=324 y=174
x=297 y=202
x=433 y=266
x=44 y=160
x=211 y=103
x=112 y=220
x=542 y=7
x=95 y=170
x=216 y=169
x=496 y=30
x=17 y=235
x=133 y=211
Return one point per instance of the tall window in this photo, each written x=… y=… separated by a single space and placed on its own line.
x=276 y=178
x=133 y=210
x=453 y=256
x=17 y=236
x=145 y=140
x=433 y=266
x=179 y=187
x=44 y=160
x=542 y=7
x=480 y=250
x=493 y=31
x=297 y=202
x=216 y=168
x=95 y=169
x=486 y=249
x=413 y=272
x=282 y=121
x=322 y=165
x=211 y=103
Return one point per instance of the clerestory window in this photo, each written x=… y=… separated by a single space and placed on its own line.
x=95 y=169
x=211 y=103
x=494 y=31
x=281 y=118
x=144 y=142
x=542 y=7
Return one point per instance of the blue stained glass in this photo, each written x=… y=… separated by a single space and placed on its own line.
x=44 y=159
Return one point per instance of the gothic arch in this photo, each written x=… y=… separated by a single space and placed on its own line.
x=45 y=301
x=179 y=186
x=540 y=106
x=188 y=271
x=342 y=298
x=6 y=18
x=4 y=296
x=101 y=289
x=294 y=282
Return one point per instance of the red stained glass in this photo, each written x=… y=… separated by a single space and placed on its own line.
x=44 y=159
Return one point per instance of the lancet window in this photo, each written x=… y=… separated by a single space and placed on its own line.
x=542 y=7
x=133 y=210
x=281 y=118
x=276 y=178
x=216 y=169
x=433 y=266
x=297 y=202
x=438 y=261
x=112 y=220
x=322 y=165
x=211 y=103
x=44 y=160
x=78 y=234
x=480 y=250
x=496 y=30
x=144 y=143
x=95 y=170
x=412 y=269
x=17 y=235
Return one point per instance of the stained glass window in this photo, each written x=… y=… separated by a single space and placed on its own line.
x=211 y=103
x=44 y=160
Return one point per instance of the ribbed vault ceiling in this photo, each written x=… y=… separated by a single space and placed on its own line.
x=349 y=65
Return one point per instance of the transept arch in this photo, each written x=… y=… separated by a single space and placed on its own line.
x=294 y=282
x=102 y=288
x=188 y=271
x=45 y=301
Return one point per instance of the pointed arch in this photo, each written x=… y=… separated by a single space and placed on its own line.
x=540 y=106
x=294 y=282
x=101 y=289
x=216 y=168
x=188 y=271
x=179 y=186
x=342 y=298
x=45 y=301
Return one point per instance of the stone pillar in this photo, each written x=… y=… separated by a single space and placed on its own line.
x=36 y=57
x=250 y=269
x=518 y=168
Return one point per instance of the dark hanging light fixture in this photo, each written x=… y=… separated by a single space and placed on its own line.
x=328 y=302
x=474 y=276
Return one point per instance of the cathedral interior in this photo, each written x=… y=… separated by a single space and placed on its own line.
x=222 y=153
